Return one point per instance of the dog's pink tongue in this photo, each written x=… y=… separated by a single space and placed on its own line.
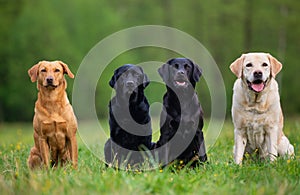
x=180 y=83
x=257 y=87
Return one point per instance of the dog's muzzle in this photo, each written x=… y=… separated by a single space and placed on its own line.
x=131 y=86
x=49 y=81
x=257 y=85
x=180 y=81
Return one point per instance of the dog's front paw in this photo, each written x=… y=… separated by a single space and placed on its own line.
x=272 y=157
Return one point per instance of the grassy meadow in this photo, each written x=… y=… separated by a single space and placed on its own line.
x=220 y=175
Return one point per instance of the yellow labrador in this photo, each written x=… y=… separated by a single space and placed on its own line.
x=256 y=110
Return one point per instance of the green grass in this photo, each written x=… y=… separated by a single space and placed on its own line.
x=221 y=175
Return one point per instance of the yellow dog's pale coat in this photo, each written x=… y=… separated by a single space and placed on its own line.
x=256 y=110
x=54 y=121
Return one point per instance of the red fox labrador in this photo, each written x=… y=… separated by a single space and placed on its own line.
x=54 y=121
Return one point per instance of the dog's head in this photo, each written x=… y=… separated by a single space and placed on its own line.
x=49 y=75
x=129 y=78
x=180 y=73
x=256 y=69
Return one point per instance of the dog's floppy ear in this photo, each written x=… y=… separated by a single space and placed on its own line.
x=146 y=81
x=145 y=77
x=275 y=65
x=33 y=72
x=117 y=73
x=66 y=69
x=237 y=66
x=164 y=71
x=197 y=72
x=113 y=80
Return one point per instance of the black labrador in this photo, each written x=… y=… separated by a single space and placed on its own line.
x=129 y=119
x=181 y=119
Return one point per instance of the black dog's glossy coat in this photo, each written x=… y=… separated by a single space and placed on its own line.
x=129 y=81
x=181 y=109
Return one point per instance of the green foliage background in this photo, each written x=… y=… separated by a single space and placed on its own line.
x=32 y=30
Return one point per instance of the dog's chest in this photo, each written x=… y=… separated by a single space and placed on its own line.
x=55 y=132
x=255 y=123
x=255 y=130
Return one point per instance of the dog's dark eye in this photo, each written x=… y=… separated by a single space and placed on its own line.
x=249 y=65
x=135 y=74
x=264 y=64
x=186 y=66
x=43 y=70
x=57 y=70
x=176 y=66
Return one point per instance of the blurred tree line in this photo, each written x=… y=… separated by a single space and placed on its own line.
x=32 y=30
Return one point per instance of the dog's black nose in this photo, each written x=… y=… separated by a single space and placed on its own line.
x=258 y=74
x=181 y=71
x=49 y=80
x=130 y=84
